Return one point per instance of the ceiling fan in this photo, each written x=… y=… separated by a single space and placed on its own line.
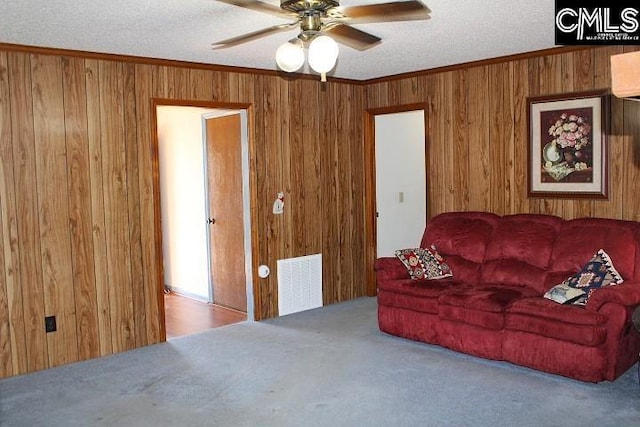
x=317 y=18
x=314 y=16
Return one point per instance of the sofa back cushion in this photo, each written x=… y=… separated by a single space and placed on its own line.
x=519 y=251
x=533 y=250
x=528 y=238
x=461 y=238
x=580 y=239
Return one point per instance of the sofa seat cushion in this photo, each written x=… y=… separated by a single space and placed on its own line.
x=492 y=298
x=546 y=318
x=430 y=288
x=417 y=295
x=481 y=305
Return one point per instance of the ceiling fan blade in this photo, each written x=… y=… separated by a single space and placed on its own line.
x=382 y=12
x=350 y=36
x=259 y=6
x=234 y=41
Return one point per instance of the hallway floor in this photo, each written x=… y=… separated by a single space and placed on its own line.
x=187 y=316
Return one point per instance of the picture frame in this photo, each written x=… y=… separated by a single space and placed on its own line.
x=567 y=152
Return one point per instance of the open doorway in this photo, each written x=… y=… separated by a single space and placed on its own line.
x=191 y=247
x=396 y=199
x=401 y=182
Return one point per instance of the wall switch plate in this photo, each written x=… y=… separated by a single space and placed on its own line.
x=50 y=324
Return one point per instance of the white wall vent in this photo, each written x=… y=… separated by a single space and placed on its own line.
x=299 y=284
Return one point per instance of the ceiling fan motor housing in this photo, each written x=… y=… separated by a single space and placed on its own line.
x=311 y=13
x=298 y=6
x=310 y=21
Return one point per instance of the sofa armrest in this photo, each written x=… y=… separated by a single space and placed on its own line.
x=626 y=294
x=390 y=268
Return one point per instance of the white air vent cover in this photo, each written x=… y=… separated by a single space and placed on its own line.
x=299 y=284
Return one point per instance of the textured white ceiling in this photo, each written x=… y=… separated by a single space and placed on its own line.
x=458 y=31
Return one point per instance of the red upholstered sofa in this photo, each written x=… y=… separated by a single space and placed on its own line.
x=493 y=306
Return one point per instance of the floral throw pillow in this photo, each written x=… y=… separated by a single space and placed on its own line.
x=597 y=273
x=424 y=263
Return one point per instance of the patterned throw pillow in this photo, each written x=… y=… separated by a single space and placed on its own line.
x=597 y=273
x=424 y=263
x=565 y=294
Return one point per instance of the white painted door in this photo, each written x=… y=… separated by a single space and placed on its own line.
x=401 y=187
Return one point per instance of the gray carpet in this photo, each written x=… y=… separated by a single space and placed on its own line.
x=325 y=367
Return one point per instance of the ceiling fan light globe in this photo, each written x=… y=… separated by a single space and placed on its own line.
x=290 y=57
x=323 y=54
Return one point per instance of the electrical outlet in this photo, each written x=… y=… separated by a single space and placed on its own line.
x=50 y=324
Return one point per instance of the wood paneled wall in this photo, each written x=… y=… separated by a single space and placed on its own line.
x=78 y=196
x=477 y=132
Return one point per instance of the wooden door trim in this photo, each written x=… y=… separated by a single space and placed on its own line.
x=157 y=226
x=370 y=183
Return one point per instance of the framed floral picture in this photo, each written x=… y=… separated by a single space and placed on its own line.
x=568 y=145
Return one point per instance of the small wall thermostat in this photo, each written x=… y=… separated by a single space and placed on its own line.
x=263 y=271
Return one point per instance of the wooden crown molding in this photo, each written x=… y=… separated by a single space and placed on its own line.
x=258 y=71
x=496 y=60
x=39 y=50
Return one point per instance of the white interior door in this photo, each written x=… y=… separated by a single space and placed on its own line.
x=401 y=186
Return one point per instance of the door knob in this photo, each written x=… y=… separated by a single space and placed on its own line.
x=211 y=221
